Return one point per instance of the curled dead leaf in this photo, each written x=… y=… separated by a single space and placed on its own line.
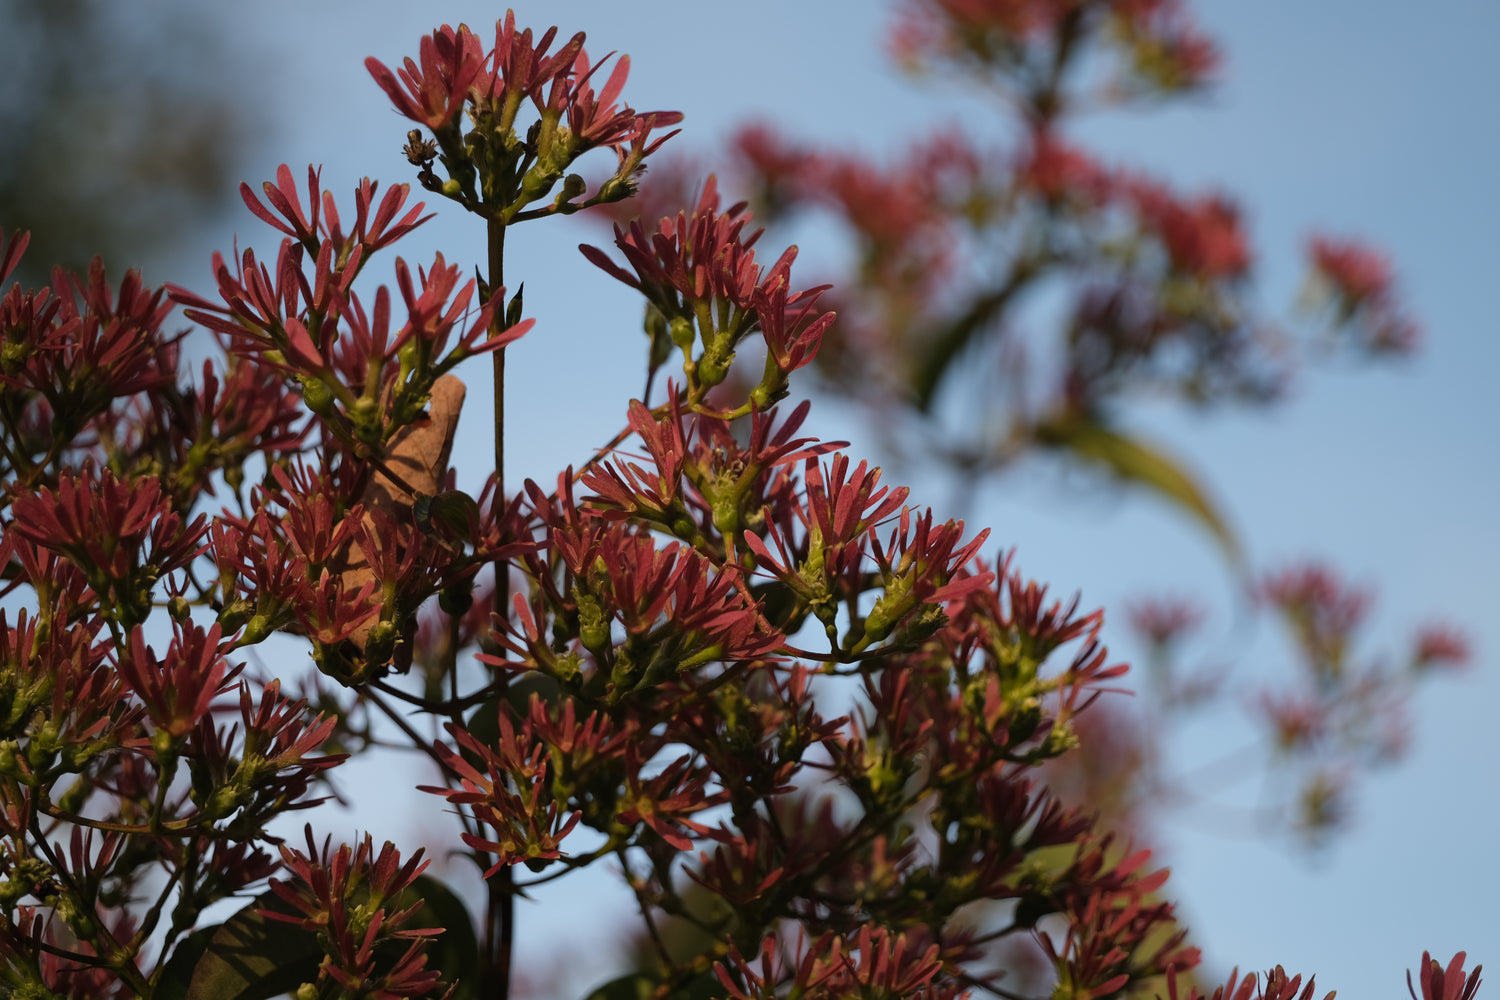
x=418 y=454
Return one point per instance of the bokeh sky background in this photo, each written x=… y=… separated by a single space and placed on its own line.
x=1375 y=119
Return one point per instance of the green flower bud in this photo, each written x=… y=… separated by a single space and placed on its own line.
x=568 y=669
x=625 y=675
x=713 y=367
x=655 y=325
x=221 y=803
x=891 y=607
x=258 y=630
x=515 y=309
x=1027 y=717
x=317 y=395
x=179 y=608
x=380 y=645
x=80 y=923
x=616 y=189
x=1060 y=739
x=593 y=625
x=539 y=180
x=573 y=186
x=74 y=797
x=163 y=744
x=769 y=393
x=8 y=766
x=365 y=415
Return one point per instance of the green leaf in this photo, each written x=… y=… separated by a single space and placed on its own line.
x=178 y=971
x=636 y=986
x=639 y=986
x=1138 y=462
x=455 y=952
x=248 y=957
x=451 y=517
x=936 y=354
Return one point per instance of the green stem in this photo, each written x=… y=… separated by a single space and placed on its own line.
x=500 y=906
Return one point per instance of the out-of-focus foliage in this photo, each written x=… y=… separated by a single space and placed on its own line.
x=116 y=135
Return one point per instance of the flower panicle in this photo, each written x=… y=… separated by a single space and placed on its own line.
x=699 y=271
x=1445 y=983
x=319 y=224
x=456 y=74
x=355 y=900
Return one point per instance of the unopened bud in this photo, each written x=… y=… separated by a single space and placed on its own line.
x=573 y=186
x=179 y=608
x=317 y=395
x=568 y=670
x=161 y=743
x=257 y=630
x=616 y=189
x=365 y=414
x=769 y=393
x=380 y=644
x=713 y=370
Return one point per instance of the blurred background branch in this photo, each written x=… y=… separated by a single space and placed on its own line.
x=121 y=129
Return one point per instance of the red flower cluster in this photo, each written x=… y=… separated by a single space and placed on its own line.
x=1274 y=985
x=315 y=327
x=1163 y=622
x=1343 y=709
x=873 y=962
x=433 y=93
x=1439 y=983
x=79 y=345
x=1202 y=237
x=700 y=271
x=1156 y=274
x=1322 y=611
x=1356 y=281
x=457 y=73
x=1441 y=646
x=122 y=536
x=1156 y=46
x=319 y=224
x=179 y=689
x=357 y=901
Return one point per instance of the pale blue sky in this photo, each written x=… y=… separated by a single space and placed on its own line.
x=1374 y=119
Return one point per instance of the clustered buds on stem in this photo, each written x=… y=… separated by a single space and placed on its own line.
x=699 y=276
x=493 y=169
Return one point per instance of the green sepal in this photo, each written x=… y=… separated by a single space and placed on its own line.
x=514 y=309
